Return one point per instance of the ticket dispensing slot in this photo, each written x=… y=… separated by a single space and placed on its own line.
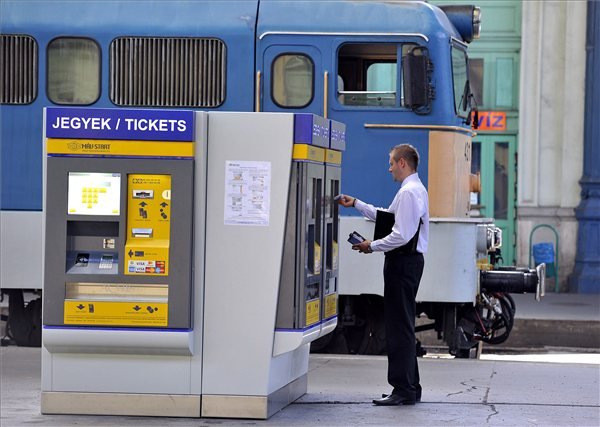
x=141 y=232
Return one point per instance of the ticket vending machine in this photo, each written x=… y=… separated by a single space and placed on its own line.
x=124 y=205
x=167 y=238
x=333 y=177
x=301 y=283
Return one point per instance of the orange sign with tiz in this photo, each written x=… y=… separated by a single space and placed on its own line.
x=491 y=120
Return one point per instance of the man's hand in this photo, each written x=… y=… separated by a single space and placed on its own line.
x=363 y=247
x=346 y=201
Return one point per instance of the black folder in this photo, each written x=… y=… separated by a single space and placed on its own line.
x=384 y=221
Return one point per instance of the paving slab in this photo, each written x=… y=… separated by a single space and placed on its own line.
x=553 y=306
x=340 y=389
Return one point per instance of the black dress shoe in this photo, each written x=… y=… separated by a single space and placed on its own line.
x=393 y=400
x=418 y=398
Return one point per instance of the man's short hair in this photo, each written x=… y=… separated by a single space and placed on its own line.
x=406 y=152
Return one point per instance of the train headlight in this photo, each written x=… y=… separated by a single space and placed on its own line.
x=489 y=238
x=497 y=238
x=466 y=19
x=476 y=22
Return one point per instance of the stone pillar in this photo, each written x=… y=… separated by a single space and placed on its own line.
x=586 y=275
x=551 y=111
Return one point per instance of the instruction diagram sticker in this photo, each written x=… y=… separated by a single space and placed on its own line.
x=313 y=312
x=247 y=193
x=113 y=313
x=330 y=305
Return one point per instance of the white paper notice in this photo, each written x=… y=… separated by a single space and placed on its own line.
x=247 y=192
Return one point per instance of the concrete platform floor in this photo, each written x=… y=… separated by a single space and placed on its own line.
x=340 y=389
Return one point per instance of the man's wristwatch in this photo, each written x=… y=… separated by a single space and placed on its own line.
x=354 y=203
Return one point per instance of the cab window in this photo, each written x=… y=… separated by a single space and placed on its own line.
x=459 y=76
x=292 y=80
x=73 y=71
x=368 y=74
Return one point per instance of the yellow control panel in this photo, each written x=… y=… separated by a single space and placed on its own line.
x=148 y=225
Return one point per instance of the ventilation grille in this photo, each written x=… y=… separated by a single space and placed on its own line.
x=18 y=69
x=167 y=72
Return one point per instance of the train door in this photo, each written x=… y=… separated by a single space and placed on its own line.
x=292 y=79
x=494 y=157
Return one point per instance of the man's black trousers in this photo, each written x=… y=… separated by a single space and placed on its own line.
x=402 y=274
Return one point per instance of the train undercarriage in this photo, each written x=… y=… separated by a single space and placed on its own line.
x=460 y=327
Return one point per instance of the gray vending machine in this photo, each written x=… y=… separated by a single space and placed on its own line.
x=186 y=255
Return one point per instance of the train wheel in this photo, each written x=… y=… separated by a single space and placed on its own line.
x=500 y=330
x=374 y=339
x=367 y=334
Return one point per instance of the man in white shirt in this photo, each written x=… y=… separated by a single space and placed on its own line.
x=404 y=248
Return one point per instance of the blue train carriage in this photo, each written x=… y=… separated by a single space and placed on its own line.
x=392 y=72
x=102 y=54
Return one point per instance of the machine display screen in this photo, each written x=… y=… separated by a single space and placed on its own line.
x=94 y=193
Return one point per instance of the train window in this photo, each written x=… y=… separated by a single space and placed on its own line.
x=459 y=75
x=167 y=72
x=381 y=80
x=368 y=74
x=18 y=69
x=73 y=71
x=476 y=79
x=292 y=77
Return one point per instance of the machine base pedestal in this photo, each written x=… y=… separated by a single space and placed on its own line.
x=256 y=407
x=173 y=405
x=154 y=405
